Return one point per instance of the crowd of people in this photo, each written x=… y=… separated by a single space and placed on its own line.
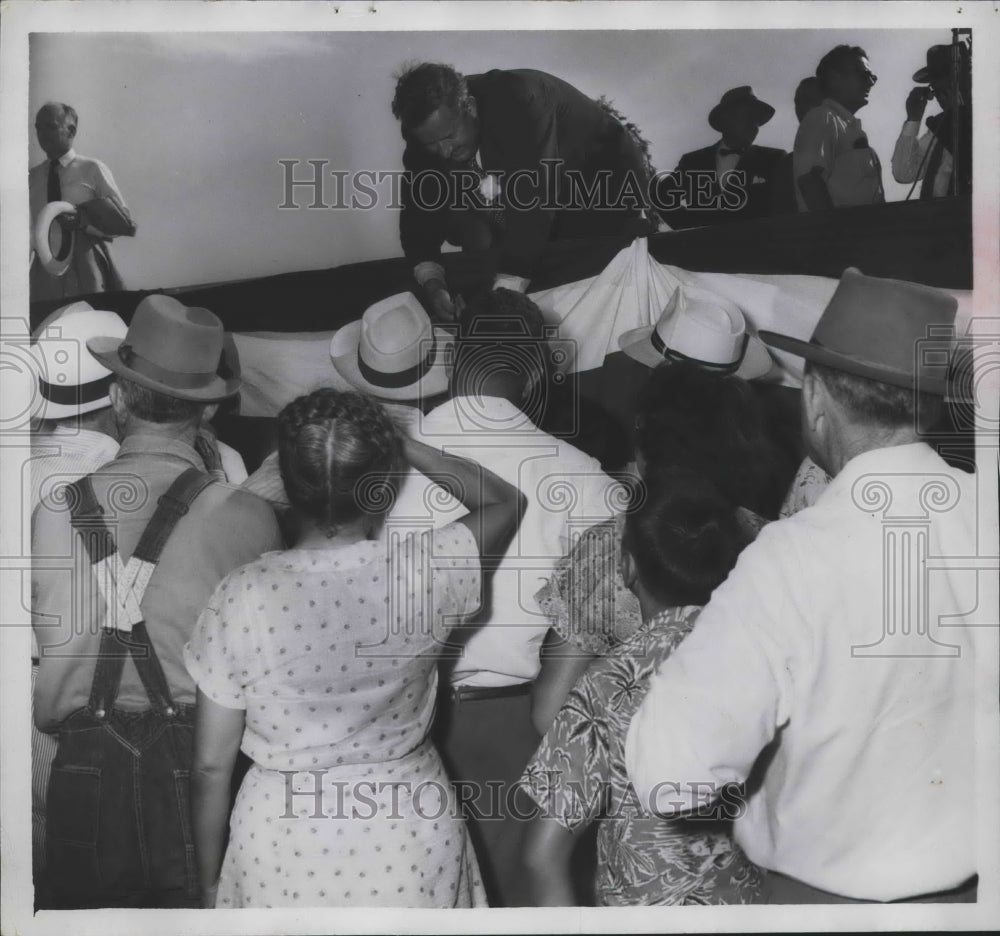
x=429 y=641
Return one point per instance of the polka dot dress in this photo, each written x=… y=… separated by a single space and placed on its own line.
x=332 y=653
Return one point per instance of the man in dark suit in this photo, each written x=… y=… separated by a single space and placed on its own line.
x=511 y=159
x=731 y=180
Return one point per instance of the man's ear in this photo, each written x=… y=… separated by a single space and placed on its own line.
x=208 y=412
x=72 y=132
x=813 y=401
x=116 y=398
x=471 y=107
x=629 y=570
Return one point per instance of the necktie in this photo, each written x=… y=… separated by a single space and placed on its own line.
x=55 y=188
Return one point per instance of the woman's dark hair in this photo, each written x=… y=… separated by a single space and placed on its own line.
x=683 y=536
x=713 y=425
x=340 y=455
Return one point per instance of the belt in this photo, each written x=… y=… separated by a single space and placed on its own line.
x=480 y=693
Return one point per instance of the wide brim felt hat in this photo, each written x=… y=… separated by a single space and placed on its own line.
x=71 y=381
x=739 y=97
x=890 y=331
x=171 y=348
x=704 y=329
x=393 y=352
x=938 y=63
x=55 y=265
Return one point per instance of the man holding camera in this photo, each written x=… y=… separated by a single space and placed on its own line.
x=931 y=158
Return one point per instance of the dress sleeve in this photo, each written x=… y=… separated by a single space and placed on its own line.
x=586 y=601
x=220 y=654
x=569 y=776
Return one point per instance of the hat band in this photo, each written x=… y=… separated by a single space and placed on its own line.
x=77 y=394
x=670 y=354
x=398 y=379
x=146 y=368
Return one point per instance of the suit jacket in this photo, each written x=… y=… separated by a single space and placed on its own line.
x=749 y=193
x=526 y=116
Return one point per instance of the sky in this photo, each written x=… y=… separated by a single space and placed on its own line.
x=193 y=125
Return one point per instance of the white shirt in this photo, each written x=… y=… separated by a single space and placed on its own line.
x=566 y=492
x=81 y=179
x=908 y=158
x=832 y=139
x=871 y=791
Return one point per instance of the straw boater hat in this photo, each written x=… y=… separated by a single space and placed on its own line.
x=739 y=97
x=72 y=382
x=171 y=348
x=703 y=328
x=55 y=264
x=883 y=329
x=393 y=351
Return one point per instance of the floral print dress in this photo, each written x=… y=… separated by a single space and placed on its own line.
x=578 y=776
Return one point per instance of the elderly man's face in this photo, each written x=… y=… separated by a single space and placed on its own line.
x=55 y=134
x=450 y=134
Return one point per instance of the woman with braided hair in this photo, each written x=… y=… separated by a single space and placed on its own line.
x=320 y=661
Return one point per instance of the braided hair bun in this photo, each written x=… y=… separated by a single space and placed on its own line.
x=340 y=457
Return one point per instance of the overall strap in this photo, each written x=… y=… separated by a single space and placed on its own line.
x=127 y=633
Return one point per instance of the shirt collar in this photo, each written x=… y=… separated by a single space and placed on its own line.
x=67 y=157
x=839 y=109
x=141 y=443
x=916 y=458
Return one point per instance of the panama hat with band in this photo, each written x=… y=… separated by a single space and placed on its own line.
x=55 y=264
x=392 y=351
x=71 y=381
x=171 y=348
x=887 y=330
x=703 y=328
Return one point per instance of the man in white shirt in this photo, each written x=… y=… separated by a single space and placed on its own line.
x=485 y=731
x=833 y=162
x=929 y=157
x=835 y=666
x=88 y=184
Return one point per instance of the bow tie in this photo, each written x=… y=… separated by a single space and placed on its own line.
x=730 y=152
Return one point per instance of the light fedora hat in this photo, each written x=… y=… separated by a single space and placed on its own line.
x=172 y=348
x=393 y=351
x=55 y=264
x=887 y=330
x=71 y=381
x=701 y=327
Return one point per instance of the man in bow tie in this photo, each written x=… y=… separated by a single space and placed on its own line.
x=508 y=159
x=733 y=179
x=87 y=184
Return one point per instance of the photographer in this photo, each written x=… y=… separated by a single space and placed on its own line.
x=931 y=157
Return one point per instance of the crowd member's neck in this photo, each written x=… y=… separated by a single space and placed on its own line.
x=185 y=432
x=313 y=535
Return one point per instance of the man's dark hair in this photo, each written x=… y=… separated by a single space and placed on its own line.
x=836 y=60
x=422 y=89
x=683 y=537
x=501 y=335
x=66 y=112
x=155 y=407
x=878 y=404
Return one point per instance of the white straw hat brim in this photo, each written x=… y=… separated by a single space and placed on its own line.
x=344 y=355
x=40 y=238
